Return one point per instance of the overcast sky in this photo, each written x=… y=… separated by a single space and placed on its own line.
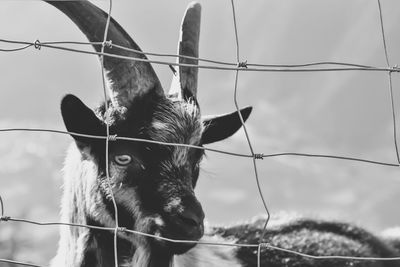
x=335 y=113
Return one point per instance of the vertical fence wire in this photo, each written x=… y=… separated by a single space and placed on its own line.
x=243 y=65
x=389 y=80
x=107 y=141
x=254 y=156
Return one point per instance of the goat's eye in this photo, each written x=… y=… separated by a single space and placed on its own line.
x=123 y=159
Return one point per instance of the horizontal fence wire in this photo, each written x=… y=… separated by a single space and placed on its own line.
x=210 y=149
x=243 y=245
x=242 y=66
x=217 y=65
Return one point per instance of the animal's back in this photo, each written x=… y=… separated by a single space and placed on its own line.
x=312 y=237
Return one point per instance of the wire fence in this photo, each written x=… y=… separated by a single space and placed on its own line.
x=237 y=67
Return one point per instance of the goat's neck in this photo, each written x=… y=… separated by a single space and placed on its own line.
x=82 y=246
x=83 y=203
x=96 y=248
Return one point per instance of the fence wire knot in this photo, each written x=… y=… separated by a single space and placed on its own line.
x=37 y=44
x=264 y=245
x=108 y=43
x=112 y=137
x=395 y=68
x=242 y=64
x=5 y=218
x=121 y=229
x=258 y=156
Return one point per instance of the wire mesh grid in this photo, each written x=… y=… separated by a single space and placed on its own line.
x=237 y=67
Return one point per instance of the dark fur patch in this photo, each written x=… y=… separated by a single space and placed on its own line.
x=311 y=237
x=102 y=253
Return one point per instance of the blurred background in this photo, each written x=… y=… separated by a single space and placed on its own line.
x=334 y=113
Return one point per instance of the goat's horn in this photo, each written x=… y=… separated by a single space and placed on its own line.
x=127 y=78
x=184 y=83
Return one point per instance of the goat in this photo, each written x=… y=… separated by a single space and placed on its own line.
x=153 y=185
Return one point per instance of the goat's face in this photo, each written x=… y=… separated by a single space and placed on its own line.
x=162 y=178
x=153 y=184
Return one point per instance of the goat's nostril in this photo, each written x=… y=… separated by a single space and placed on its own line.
x=191 y=218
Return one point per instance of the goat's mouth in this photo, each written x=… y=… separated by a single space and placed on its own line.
x=177 y=237
x=174 y=245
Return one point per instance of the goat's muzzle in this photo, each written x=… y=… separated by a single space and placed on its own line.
x=185 y=223
x=190 y=221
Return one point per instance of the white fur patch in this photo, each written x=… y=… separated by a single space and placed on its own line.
x=157 y=125
x=180 y=156
x=141 y=257
x=158 y=221
x=209 y=256
x=174 y=204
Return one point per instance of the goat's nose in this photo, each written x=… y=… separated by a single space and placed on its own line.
x=192 y=218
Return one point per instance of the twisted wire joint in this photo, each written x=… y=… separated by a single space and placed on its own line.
x=395 y=68
x=37 y=44
x=242 y=64
x=112 y=137
x=258 y=156
x=5 y=218
x=108 y=44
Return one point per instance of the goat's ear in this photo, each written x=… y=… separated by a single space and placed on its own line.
x=222 y=126
x=78 y=118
